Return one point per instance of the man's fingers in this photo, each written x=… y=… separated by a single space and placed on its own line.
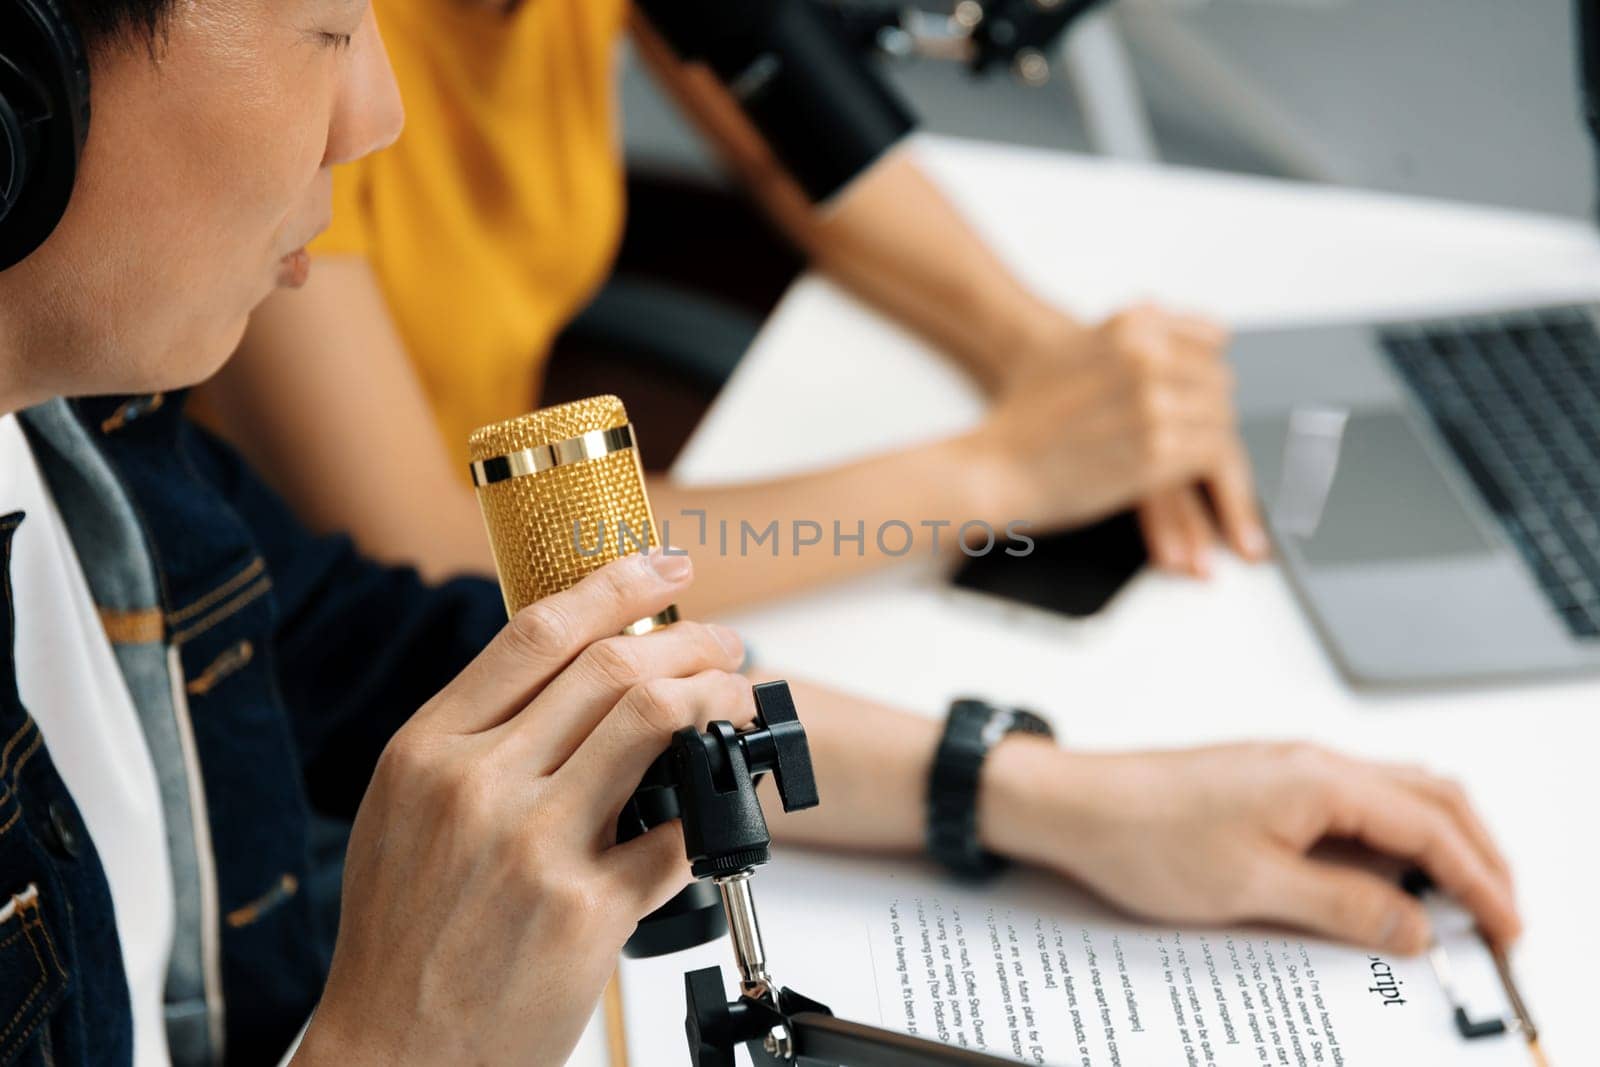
x=550 y=730
x=1185 y=393
x=544 y=637
x=605 y=770
x=1394 y=820
x=1182 y=456
x=1146 y=323
x=1172 y=407
x=1210 y=335
x=1163 y=535
x=1233 y=494
x=1453 y=799
x=1190 y=367
x=1342 y=903
x=1197 y=533
x=650 y=869
x=1177 y=531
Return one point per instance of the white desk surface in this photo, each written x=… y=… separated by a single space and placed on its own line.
x=1176 y=662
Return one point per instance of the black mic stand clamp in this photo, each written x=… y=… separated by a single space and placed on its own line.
x=785 y=1029
x=709 y=781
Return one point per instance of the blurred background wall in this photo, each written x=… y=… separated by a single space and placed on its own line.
x=1467 y=99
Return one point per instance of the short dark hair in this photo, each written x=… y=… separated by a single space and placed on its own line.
x=101 y=21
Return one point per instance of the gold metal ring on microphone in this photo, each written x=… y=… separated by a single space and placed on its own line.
x=542 y=458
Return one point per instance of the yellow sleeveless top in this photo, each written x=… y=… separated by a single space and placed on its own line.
x=498 y=212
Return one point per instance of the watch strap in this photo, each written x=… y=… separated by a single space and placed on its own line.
x=972 y=729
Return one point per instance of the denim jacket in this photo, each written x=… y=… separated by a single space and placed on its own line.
x=269 y=668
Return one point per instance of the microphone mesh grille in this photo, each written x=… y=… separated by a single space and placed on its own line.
x=531 y=519
x=547 y=427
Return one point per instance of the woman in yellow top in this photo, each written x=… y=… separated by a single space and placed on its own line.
x=456 y=256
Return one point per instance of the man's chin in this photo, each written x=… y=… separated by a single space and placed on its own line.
x=217 y=348
x=224 y=350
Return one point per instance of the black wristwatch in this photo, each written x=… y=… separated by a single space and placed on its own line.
x=972 y=729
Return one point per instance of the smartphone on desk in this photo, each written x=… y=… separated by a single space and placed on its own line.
x=1075 y=574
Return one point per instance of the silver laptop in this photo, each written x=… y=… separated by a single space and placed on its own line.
x=1433 y=489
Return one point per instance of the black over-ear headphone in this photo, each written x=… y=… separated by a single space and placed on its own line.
x=44 y=119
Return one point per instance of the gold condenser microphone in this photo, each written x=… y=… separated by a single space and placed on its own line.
x=562 y=492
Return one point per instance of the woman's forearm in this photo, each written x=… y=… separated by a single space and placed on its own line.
x=766 y=540
x=868 y=758
x=898 y=242
x=873 y=764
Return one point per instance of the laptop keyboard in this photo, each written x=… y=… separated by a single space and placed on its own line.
x=1517 y=398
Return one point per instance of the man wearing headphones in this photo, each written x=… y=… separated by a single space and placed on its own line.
x=187 y=673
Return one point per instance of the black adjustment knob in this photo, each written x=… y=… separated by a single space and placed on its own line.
x=716 y=1026
x=783 y=750
x=708 y=1024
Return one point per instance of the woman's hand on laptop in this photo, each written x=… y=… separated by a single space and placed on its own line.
x=1224 y=835
x=484 y=899
x=1135 y=411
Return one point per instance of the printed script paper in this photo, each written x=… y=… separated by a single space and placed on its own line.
x=1033 y=971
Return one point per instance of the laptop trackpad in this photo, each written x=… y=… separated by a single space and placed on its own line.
x=1358 y=488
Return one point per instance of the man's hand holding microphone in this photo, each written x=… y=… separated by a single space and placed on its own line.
x=485 y=899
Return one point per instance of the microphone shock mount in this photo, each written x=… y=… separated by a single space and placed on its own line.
x=708 y=780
